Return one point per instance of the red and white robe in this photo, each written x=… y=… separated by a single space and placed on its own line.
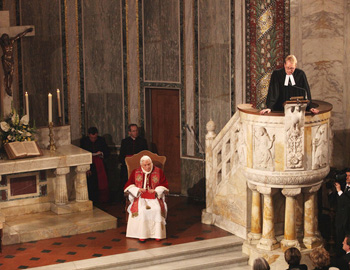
x=147 y=214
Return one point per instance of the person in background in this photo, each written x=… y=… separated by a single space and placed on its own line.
x=285 y=83
x=261 y=264
x=129 y=146
x=321 y=259
x=344 y=261
x=96 y=177
x=342 y=215
x=146 y=188
x=293 y=258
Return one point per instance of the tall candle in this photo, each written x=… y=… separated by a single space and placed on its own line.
x=59 y=103
x=50 y=108
x=27 y=104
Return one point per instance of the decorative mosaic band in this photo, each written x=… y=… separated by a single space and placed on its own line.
x=268 y=43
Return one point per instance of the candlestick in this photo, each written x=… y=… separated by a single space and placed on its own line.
x=27 y=104
x=50 y=108
x=59 y=103
x=52 y=145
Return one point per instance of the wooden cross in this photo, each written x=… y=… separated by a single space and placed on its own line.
x=12 y=31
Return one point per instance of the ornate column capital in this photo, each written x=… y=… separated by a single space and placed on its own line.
x=312 y=189
x=291 y=192
x=82 y=168
x=266 y=190
x=61 y=171
x=251 y=186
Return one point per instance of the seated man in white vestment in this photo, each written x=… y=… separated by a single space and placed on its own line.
x=147 y=187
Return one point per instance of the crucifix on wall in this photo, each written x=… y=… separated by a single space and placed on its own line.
x=8 y=36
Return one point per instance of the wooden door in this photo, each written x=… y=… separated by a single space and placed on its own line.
x=164 y=124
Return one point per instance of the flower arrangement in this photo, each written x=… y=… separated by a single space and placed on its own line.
x=15 y=129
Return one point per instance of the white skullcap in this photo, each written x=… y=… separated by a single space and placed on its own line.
x=144 y=158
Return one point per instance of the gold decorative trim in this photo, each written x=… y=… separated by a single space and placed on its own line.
x=138 y=60
x=78 y=61
x=127 y=56
x=67 y=60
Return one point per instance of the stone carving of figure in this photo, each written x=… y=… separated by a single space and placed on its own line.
x=319 y=145
x=262 y=150
x=296 y=114
x=7 y=59
x=240 y=144
x=331 y=145
x=294 y=138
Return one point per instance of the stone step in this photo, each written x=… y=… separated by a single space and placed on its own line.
x=206 y=254
x=225 y=260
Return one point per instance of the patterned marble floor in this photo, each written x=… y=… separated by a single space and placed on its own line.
x=183 y=226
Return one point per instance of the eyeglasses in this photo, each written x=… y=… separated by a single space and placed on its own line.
x=290 y=68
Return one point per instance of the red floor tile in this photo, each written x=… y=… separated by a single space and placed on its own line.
x=183 y=226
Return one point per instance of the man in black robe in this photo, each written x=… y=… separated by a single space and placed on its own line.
x=342 y=216
x=96 y=177
x=285 y=83
x=129 y=146
x=343 y=262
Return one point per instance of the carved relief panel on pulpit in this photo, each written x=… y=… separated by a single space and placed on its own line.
x=320 y=147
x=240 y=146
x=263 y=149
x=294 y=136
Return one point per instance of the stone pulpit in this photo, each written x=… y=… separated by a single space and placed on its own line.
x=263 y=173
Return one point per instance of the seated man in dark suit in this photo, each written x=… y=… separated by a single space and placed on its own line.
x=96 y=177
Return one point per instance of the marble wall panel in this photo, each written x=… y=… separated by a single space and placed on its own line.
x=318 y=38
x=161 y=40
x=192 y=176
x=214 y=50
x=106 y=120
x=103 y=62
x=42 y=56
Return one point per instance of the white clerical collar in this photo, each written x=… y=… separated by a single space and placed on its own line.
x=286 y=80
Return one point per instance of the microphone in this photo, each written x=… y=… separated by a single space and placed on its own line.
x=301 y=89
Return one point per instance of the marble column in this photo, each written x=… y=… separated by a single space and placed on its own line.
x=310 y=239
x=268 y=240
x=61 y=195
x=209 y=170
x=290 y=236
x=299 y=216
x=81 y=190
x=255 y=230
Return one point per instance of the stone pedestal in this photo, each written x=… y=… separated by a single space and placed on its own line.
x=81 y=189
x=61 y=196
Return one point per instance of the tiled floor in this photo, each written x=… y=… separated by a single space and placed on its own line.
x=183 y=226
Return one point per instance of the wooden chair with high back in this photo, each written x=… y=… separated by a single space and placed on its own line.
x=133 y=162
